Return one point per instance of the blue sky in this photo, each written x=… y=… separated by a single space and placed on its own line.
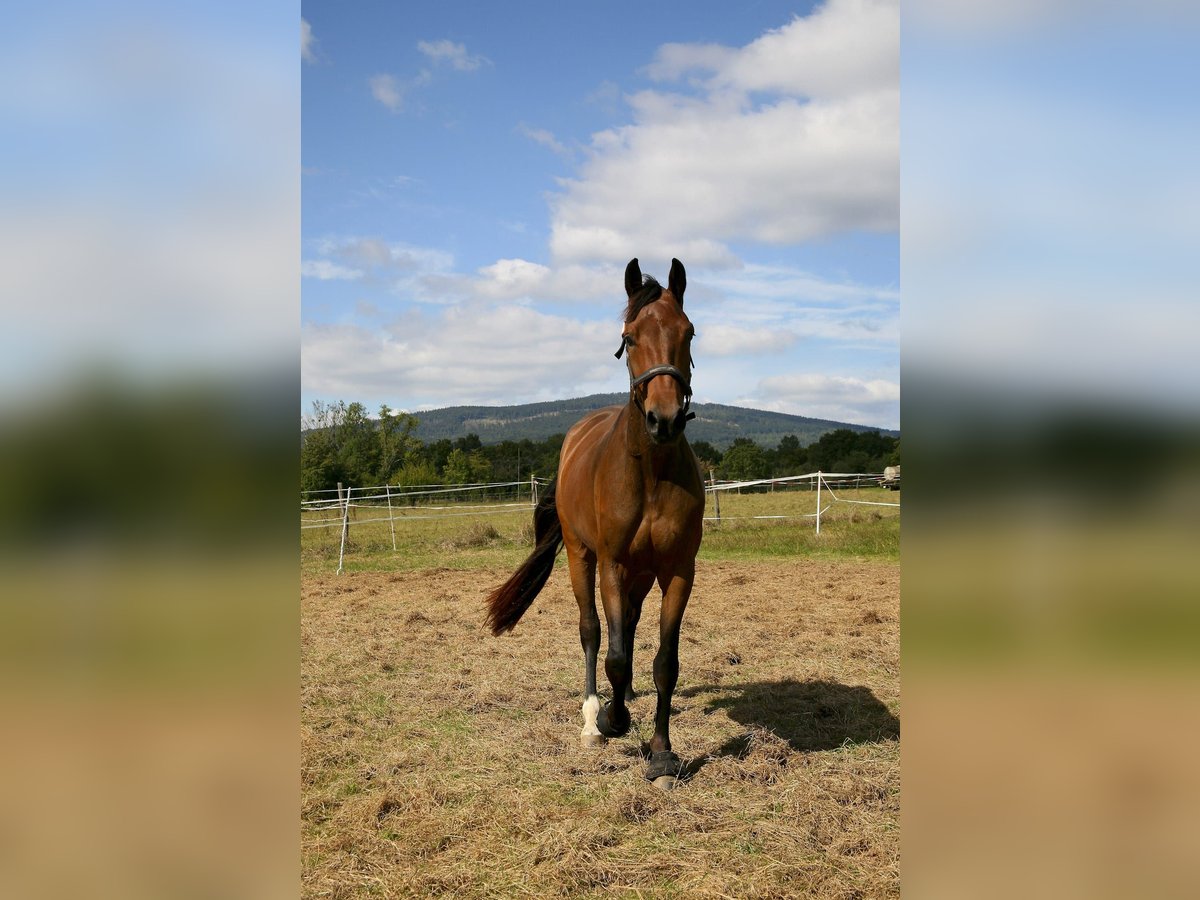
x=475 y=179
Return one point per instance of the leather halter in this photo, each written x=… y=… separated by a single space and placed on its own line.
x=654 y=372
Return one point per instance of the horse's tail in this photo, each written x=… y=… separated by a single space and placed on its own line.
x=508 y=602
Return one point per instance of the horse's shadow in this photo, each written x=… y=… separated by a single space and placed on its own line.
x=809 y=715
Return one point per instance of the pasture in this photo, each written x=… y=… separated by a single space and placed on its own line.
x=437 y=759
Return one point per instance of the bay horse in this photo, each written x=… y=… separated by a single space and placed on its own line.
x=628 y=503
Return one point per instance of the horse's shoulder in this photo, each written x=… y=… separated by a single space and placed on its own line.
x=595 y=423
x=606 y=414
x=585 y=439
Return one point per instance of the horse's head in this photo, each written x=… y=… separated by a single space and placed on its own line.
x=658 y=339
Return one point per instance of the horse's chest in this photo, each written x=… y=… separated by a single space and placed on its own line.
x=664 y=528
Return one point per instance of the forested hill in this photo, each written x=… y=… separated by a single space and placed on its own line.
x=715 y=423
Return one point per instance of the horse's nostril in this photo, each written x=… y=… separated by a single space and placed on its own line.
x=652 y=419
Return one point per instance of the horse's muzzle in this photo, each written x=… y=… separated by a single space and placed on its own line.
x=663 y=429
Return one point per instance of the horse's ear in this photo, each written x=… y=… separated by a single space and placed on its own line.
x=633 y=278
x=677 y=281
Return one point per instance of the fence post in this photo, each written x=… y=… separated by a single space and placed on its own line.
x=818 y=502
x=533 y=489
x=392 y=522
x=343 y=499
x=345 y=526
x=712 y=478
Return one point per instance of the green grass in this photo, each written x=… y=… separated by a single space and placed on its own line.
x=847 y=530
x=502 y=539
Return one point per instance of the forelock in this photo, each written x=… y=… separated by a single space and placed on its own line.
x=650 y=291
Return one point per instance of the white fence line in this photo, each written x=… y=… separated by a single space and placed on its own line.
x=816 y=481
x=398 y=494
x=794 y=479
x=379 y=487
x=325 y=523
x=861 y=502
x=811 y=515
x=455 y=506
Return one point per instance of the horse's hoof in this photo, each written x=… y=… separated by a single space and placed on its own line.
x=592 y=741
x=663 y=769
x=609 y=729
x=630 y=696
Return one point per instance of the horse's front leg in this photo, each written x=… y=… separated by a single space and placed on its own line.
x=613 y=720
x=664 y=765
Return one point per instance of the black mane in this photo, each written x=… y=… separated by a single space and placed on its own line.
x=650 y=291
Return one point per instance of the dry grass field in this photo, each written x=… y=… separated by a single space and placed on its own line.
x=438 y=760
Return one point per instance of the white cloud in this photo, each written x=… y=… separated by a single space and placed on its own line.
x=792 y=137
x=324 y=270
x=391 y=91
x=307 y=42
x=513 y=277
x=732 y=340
x=382 y=257
x=545 y=138
x=859 y=324
x=747 y=321
x=498 y=321
x=452 y=54
x=783 y=300
x=519 y=279
x=605 y=96
x=414 y=274
x=813 y=387
x=785 y=282
x=844 y=47
x=840 y=397
x=387 y=90
x=443 y=357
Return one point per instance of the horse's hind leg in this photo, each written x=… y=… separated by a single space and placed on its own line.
x=582 y=563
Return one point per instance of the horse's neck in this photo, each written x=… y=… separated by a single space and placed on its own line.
x=637 y=442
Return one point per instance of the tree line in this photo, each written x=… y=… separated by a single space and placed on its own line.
x=342 y=442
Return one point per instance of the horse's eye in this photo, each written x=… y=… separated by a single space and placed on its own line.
x=628 y=340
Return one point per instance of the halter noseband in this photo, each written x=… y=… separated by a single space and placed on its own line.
x=654 y=372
